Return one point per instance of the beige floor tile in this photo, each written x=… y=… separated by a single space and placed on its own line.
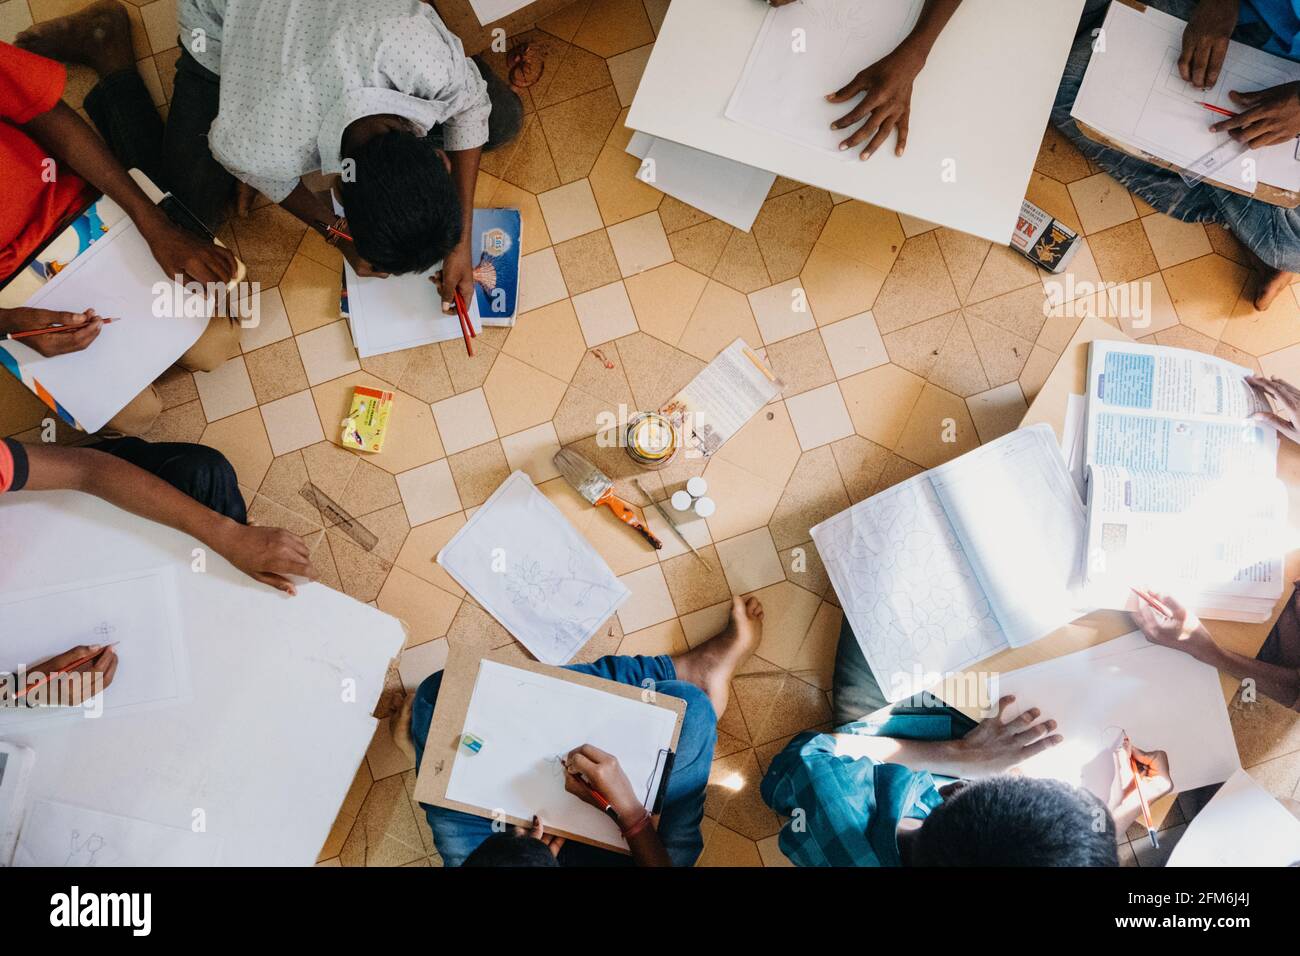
x=720 y=317
x=880 y=401
x=838 y=285
x=788 y=612
x=615 y=27
x=534 y=235
x=733 y=796
x=225 y=390
x=587 y=262
x=540 y=281
x=266 y=239
x=1174 y=241
x=464 y=421
x=854 y=345
x=1101 y=203
x=640 y=244
x=160 y=24
x=528 y=163
x=385 y=833
x=918 y=287
x=577 y=131
x=570 y=211
x=766 y=447
x=705 y=623
x=626 y=69
x=314 y=247
x=1205 y=292
x=1143 y=307
x=15 y=17
x=913 y=226
x=1053 y=197
x=520 y=396
x=860 y=463
x=327 y=352
x=819 y=416
x=176 y=387
x=531 y=451
x=1238 y=357
x=1079 y=279
x=466 y=371
x=1283 y=364
x=292 y=422
x=957 y=367
x=998 y=411
x=677 y=216
x=475 y=628
x=782 y=311
x=787 y=228
x=412 y=436
x=699 y=246
x=421 y=547
x=918 y=347
x=619 y=193
x=801 y=363
x=776 y=705
x=814 y=493
x=663 y=638
x=182 y=423
x=745 y=501
x=1037 y=368
x=311 y=294
x=692 y=527
x=1181 y=337
x=655 y=370
x=272 y=322
x=750 y=561
x=478 y=472
x=939 y=429
x=276 y=370
x=426 y=611
x=1003 y=354
x=1123 y=252
x=428 y=492
x=664 y=298
x=964 y=256
x=242 y=439
x=1259 y=333
x=1061 y=159
x=770 y=853
x=370 y=489
x=605 y=313
x=548 y=339
x=727 y=848
x=815 y=662
x=650 y=602
x=1022 y=312
x=1003 y=270
x=868 y=233
x=741 y=264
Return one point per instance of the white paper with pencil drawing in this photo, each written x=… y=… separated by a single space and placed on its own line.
x=137 y=610
x=726 y=394
x=1163 y=698
x=531 y=570
x=117 y=278
x=59 y=834
x=808 y=49
x=527 y=720
x=1134 y=94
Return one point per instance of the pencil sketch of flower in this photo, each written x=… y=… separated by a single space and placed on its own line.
x=529 y=583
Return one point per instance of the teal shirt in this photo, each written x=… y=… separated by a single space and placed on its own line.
x=1282 y=17
x=845 y=811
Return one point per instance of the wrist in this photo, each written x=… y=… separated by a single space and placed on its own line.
x=215 y=530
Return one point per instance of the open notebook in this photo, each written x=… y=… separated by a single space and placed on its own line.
x=1183 y=494
x=972 y=557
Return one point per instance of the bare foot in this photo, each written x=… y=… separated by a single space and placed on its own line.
x=711 y=665
x=1271 y=281
x=98 y=36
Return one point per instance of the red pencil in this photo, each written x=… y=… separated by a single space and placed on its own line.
x=466 y=327
x=52 y=328
x=1216 y=109
x=1155 y=605
x=67 y=669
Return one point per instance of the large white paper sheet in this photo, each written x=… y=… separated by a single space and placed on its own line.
x=931 y=578
x=137 y=610
x=1163 y=698
x=399 y=312
x=527 y=720
x=531 y=570
x=724 y=188
x=1134 y=94
x=116 y=277
x=59 y=834
x=1008 y=52
x=489 y=11
x=1242 y=825
x=808 y=49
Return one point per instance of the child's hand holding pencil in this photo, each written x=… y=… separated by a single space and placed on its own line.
x=52 y=333
x=65 y=680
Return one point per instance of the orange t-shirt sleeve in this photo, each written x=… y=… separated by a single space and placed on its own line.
x=29 y=84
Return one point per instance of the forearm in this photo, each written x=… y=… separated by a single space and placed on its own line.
x=943 y=757
x=929 y=25
x=647 y=849
x=1281 y=684
x=125 y=485
x=68 y=138
x=307 y=206
x=464 y=173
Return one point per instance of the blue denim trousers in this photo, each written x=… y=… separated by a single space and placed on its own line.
x=1271 y=232
x=458 y=834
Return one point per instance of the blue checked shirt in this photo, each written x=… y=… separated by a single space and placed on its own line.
x=850 y=806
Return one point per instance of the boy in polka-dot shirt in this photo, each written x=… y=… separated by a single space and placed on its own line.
x=378 y=91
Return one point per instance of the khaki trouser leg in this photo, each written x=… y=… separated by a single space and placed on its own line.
x=218 y=343
x=139 y=414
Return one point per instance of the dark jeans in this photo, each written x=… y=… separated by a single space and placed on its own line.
x=178 y=157
x=197 y=470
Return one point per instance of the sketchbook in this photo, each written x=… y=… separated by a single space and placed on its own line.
x=1164 y=699
x=1242 y=825
x=136 y=610
x=531 y=570
x=721 y=187
x=119 y=278
x=1134 y=95
x=975 y=556
x=808 y=49
x=402 y=312
x=1183 y=494
x=59 y=834
x=527 y=721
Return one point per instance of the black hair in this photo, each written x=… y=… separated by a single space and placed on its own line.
x=402 y=208
x=1017 y=821
x=511 y=849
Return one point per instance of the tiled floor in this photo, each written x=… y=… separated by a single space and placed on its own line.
x=907 y=326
